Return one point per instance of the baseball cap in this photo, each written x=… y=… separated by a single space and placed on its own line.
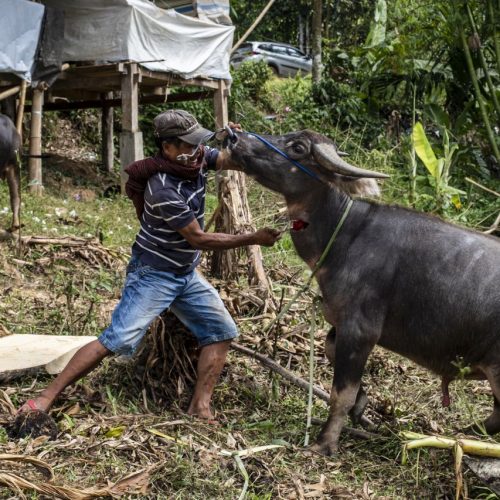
x=181 y=124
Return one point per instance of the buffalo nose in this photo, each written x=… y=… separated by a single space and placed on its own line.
x=230 y=140
x=230 y=132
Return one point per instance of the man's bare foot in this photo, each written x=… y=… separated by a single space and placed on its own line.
x=201 y=412
x=40 y=403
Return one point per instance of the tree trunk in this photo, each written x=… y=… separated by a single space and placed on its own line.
x=316 y=40
x=234 y=217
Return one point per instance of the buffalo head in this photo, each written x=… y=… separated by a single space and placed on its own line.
x=312 y=150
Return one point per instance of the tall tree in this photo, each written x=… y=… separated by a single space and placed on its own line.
x=317 y=34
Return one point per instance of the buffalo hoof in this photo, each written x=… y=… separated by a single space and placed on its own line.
x=367 y=424
x=487 y=428
x=325 y=448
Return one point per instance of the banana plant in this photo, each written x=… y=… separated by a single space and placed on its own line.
x=438 y=168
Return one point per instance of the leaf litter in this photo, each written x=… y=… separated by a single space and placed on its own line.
x=112 y=435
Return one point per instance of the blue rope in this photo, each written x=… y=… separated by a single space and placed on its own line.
x=284 y=155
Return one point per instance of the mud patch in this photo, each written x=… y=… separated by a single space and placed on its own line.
x=33 y=424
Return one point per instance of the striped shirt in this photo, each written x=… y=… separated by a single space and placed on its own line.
x=171 y=203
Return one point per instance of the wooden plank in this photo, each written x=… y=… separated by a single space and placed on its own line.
x=117 y=103
x=486 y=469
x=173 y=79
x=30 y=354
x=99 y=83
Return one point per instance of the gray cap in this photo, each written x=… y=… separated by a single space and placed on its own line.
x=181 y=124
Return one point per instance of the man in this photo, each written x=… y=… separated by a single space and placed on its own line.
x=168 y=192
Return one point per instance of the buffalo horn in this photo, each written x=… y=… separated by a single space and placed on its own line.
x=326 y=155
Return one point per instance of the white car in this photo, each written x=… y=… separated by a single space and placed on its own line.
x=283 y=59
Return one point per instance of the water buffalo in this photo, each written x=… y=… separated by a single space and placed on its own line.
x=410 y=282
x=10 y=142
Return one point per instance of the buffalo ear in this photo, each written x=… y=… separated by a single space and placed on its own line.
x=358 y=187
x=326 y=155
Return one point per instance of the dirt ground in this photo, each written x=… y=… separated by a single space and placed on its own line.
x=118 y=434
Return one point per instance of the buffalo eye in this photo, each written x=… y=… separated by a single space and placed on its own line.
x=298 y=148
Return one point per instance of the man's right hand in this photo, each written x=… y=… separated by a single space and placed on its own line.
x=267 y=236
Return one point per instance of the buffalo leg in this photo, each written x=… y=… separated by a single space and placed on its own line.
x=356 y=412
x=492 y=423
x=12 y=176
x=350 y=360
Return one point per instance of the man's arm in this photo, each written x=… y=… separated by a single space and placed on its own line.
x=200 y=240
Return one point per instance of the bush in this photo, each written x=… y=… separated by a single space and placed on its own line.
x=250 y=79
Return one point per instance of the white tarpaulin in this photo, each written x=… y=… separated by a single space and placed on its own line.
x=138 y=30
x=20 y=24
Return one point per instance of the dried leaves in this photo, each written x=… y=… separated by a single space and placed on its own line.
x=136 y=482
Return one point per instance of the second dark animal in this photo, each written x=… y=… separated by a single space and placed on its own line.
x=10 y=142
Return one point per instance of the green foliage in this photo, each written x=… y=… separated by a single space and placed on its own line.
x=439 y=169
x=249 y=80
x=346 y=105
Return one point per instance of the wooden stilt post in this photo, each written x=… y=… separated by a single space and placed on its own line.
x=107 y=135
x=234 y=215
x=131 y=148
x=35 y=162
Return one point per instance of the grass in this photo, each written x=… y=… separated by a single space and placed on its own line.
x=67 y=295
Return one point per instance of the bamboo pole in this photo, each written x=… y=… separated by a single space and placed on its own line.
x=254 y=25
x=472 y=181
x=35 y=162
x=477 y=91
x=494 y=34
x=9 y=92
x=482 y=61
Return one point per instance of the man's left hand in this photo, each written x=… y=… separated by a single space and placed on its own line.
x=235 y=126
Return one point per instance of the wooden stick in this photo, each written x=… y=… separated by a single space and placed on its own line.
x=299 y=382
x=494 y=226
x=302 y=384
x=254 y=25
x=472 y=181
x=20 y=109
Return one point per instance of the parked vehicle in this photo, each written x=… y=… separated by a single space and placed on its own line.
x=283 y=59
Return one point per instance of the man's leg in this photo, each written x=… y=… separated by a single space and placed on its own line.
x=145 y=295
x=84 y=361
x=210 y=364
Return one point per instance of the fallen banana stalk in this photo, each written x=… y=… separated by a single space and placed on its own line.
x=469 y=446
x=460 y=446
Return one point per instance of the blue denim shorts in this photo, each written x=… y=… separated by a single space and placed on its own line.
x=148 y=292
